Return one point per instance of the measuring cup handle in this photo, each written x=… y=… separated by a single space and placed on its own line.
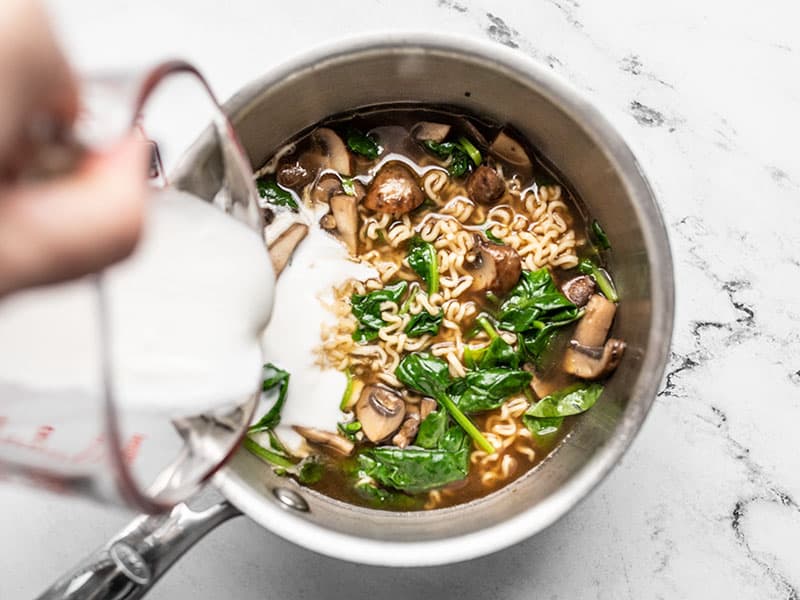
x=128 y=565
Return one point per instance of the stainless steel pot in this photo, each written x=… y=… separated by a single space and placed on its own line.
x=489 y=80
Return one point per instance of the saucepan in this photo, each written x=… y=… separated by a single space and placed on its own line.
x=490 y=81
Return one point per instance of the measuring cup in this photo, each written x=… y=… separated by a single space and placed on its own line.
x=62 y=424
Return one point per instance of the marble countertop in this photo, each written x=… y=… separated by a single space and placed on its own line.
x=707 y=501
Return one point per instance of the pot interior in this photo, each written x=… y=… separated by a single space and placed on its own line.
x=490 y=83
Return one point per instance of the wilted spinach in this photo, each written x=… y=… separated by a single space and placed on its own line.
x=487 y=389
x=423 y=260
x=546 y=416
x=600 y=235
x=362 y=144
x=270 y=191
x=432 y=429
x=498 y=352
x=430 y=376
x=415 y=470
x=534 y=302
x=273 y=377
x=461 y=160
x=367 y=309
x=424 y=322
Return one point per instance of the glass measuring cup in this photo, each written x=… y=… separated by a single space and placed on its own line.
x=65 y=423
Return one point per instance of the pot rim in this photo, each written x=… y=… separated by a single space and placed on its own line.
x=279 y=520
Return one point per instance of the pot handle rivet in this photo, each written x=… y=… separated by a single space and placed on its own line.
x=290 y=499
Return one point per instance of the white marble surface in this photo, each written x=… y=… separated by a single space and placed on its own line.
x=707 y=501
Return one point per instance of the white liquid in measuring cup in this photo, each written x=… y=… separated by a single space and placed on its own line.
x=186 y=315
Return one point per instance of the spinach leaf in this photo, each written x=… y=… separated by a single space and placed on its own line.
x=309 y=471
x=273 y=377
x=349 y=430
x=533 y=344
x=424 y=322
x=423 y=260
x=460 y=161
x=600 y=235
x=367 y=309
x=545 y=417
x=533 y=301
x=487 y=389
x=471 y=151
x=498 y=352
x=365 y=145
x=367 y=489
x=414 y=470
x=430 y=376
x=544 y=426
x=275 y=458
x=269 y=189
x=587 y=267
x=432 y=429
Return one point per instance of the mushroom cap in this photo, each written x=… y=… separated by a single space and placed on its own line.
x=326 y=438
x=394 y=190
x=494 y=267
x=485 y=186
x=579 y=289
x=427 y=130
x=510 y=150
x=280 y=251
x=328 y=185
x=381 y=411
x=333 y=149
x=345 y=213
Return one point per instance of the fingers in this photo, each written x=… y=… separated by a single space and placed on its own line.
x=59 y=230
x=37 y=83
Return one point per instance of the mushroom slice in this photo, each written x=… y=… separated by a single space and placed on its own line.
x=345 y=212
x=593 y=328
x=494 y=267
x=408 y=431
x=594 y=362
x=380 y=411
x=426 y=407
x=334 y=150
x=295 y=172
x=485 y=186
x=326 y=438
x=327 y=222
x=394 y=190
x=280 y=251
x=589 y=355
x=328 y=185
x=509 y=150
x=579 y=289
x=426 y=130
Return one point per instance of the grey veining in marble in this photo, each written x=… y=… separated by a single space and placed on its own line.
x=707 y=502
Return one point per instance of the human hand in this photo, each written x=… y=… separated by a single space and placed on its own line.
x=58 y=229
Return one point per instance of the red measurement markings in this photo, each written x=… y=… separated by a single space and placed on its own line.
x=93 y=452
x=42 y=434
x=131 y=450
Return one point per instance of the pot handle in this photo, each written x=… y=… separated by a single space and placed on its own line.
x=134 y=559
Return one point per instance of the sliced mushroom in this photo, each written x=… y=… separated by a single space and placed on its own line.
x=327 y=186
x=408 y=431
x=543 y=386
x=485 y=186
x=381 y=411
x=394 y=190
x=509 y=150
x=345 y=212
x=326 y=438
x=589 y=355
x=426 y=407
x=579 y=289
x=295 y=172
x=494 y=267
x=426 y=130
x=333 y=148
x=280 y=251
x=327 y=222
